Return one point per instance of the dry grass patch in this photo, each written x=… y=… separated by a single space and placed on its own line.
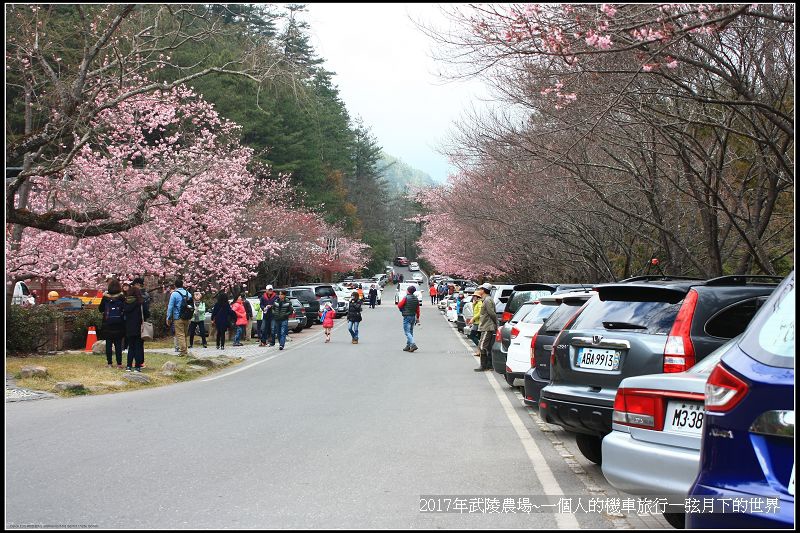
x=91 y=370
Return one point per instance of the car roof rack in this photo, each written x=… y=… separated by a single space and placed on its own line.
x=736 y=279
x=659 y=277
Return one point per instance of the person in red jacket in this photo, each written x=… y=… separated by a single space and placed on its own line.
x=409 y=307
x=433 y=293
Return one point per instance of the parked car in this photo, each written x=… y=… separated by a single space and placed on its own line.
x=450 y=310
x=413 y=266
x=647 y=325
x=654 y=445
x=342 y=299
x=308 y=300
x=538 y=376
x=518 y=358
x=366 y=284
x=402 y=289
x=381 y=280
x=500 y=294
x=522 y=293
x=322 y=293
x=418 y=277
x=748 y=432
x=502 y=338
x=22 y=295
x=401 y=261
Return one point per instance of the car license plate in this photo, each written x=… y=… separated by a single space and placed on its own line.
x=684 y=417
x=598 y=359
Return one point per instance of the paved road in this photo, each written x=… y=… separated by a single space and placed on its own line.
x=318 y=435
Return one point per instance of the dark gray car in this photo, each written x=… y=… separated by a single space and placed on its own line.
x=648 y=325
x=500 y=349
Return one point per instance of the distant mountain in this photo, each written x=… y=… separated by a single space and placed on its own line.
x=399 y=174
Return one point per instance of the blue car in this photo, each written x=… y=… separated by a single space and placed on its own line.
x=748 y=436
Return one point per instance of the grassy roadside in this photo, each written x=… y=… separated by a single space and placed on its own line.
x=91 y=370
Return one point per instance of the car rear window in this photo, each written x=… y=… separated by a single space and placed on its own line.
x=520 y=297
x=539 y=314
x=324 y=291
x=770 y=337
x=303 y=294
x=651 y=317
x=521 y=313
x=561 y=316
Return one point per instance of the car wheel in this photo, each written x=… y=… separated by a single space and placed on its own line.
x=676 y=520
x=509 y=380
x=298 y=329
x=591 y=446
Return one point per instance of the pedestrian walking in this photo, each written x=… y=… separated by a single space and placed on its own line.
x=326 y=316
x=241 y=320
x=179 y=313
x=410 y=307
x=373 y=296
x=136 y=312
x=434 y=293
x=112 y=307
x=267 y=301
x=360 y=291
x=198 y=320
x=487 y=326
x=354 y=316
x=401 y=278
x=282 y=310
x=222 y=315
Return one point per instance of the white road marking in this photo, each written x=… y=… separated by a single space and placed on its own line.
x=302 y=343
x=544 y=474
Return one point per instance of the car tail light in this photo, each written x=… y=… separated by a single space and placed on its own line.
x=506 y=316
x=533 y=346
x=679 y=350
x=724 y=390
x=293 y=315
x=645 y=408
x=508 y=370
x=498 y=337
x=514 y=332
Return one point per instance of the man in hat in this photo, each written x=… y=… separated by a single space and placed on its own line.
x=409 y=307
x=267 y=301
x=487 y=325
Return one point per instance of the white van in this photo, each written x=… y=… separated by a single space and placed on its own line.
x=22 y=295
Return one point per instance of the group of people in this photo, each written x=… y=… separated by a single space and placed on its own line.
x=124 y=308
x=440 y=292
x=372 y=294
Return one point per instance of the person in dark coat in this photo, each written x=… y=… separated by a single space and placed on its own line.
x=112 y=307
x=221 y=315
x=136 y=311
x=354 y=316
x=373 y=296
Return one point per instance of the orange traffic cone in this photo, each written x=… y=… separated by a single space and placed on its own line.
x=91 y=338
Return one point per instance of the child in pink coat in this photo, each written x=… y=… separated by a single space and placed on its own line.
x=327 y=315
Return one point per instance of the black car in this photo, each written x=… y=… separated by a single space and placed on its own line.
x=323 y=293
x=538 y=377
x=645 y=325
x=307 y=299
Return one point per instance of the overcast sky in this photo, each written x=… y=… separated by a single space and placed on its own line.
x=386 y=76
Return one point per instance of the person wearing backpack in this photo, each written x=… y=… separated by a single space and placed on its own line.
x=112 y=306
x=179 y=312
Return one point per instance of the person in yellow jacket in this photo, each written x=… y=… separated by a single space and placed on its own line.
x=475 y=320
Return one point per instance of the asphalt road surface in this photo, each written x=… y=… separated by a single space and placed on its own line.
x=318 y=435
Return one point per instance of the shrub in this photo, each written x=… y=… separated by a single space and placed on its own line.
x=28 y=328
x=158 y=316
x=80 y=326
